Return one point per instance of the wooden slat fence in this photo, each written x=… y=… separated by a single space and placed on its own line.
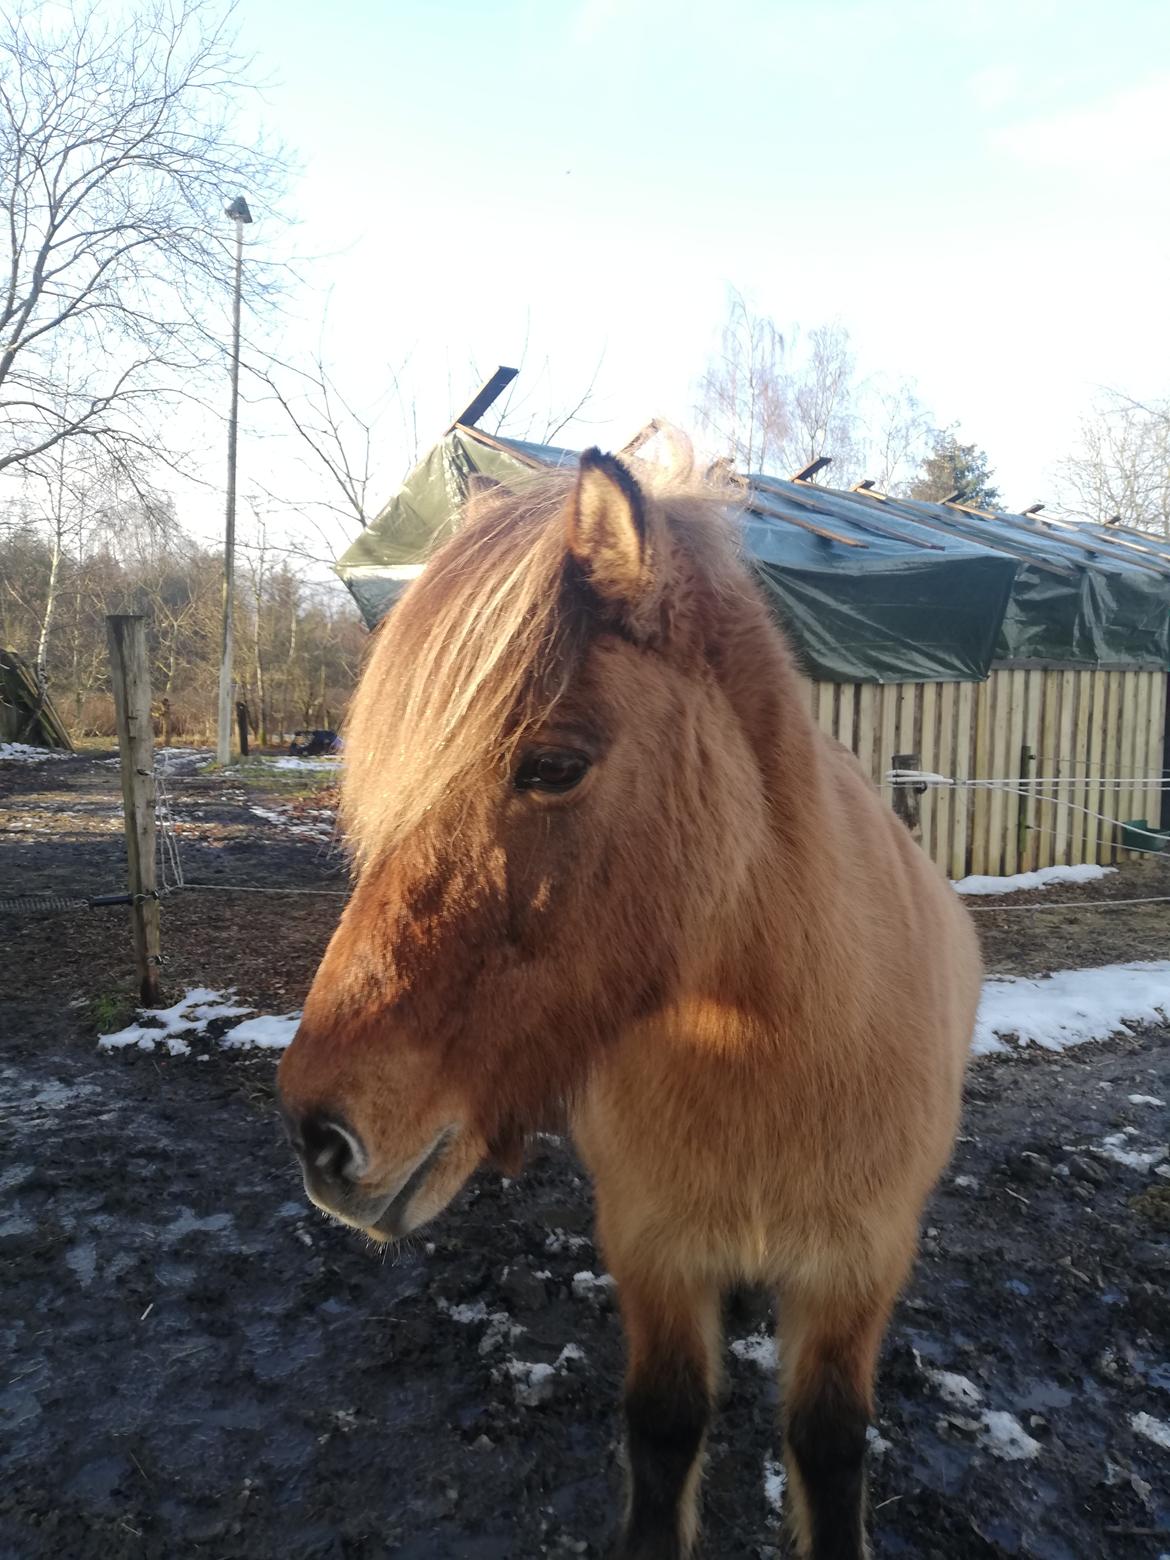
x=1083 y=732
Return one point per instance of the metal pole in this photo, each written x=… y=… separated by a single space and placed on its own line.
x=223 y=746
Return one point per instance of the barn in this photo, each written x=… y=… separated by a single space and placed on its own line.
x=1015 y=665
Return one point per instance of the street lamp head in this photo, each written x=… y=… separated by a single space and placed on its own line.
x=239 y=210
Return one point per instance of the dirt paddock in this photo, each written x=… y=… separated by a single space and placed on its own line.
x=196 y=1363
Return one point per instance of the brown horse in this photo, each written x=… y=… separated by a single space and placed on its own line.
x=607 y=865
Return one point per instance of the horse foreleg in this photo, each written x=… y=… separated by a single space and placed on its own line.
x=828 y=1359
x=672 y=1341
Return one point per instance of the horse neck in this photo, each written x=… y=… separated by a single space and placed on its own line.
x=786 y=905
x=770 y=698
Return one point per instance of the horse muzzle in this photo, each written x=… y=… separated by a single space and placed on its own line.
x=336 y=1165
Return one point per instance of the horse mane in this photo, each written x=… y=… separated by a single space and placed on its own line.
x=485 y=643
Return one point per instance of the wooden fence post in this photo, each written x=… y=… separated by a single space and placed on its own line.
x=907 y=792
x=131 y=680
x=1024 y=821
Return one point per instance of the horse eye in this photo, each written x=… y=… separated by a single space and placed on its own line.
x=551 y=770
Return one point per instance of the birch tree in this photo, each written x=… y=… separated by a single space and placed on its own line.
x=1121 y=464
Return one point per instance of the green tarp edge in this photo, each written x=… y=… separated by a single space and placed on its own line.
x=886 y=610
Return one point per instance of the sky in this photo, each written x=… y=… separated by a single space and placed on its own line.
x=976 y=189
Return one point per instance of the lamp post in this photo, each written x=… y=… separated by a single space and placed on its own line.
x=239 y=213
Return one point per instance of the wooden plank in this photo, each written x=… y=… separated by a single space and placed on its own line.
x=964 y=743
x=1144 y=796
x=1076 y=792
x=1072 y=537
x=1157 y=738
x=945 y=764
x=1131 y=797
x=1066 y=769
x=1047 y=767
x=908 y=697
x=1127 y=759
x=981 y=799
x=887 y=735
x=1033 y=698
x=927 y=750
x=846 y=701
x=130 y=678
x=907 y=743
x=1015 y=740
x=999 y=716
x=826 y=713
x=1110 y=746
x=758 y=505
x=1095 y=698
x=867 y=699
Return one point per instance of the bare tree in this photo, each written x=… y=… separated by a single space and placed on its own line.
x=338 y=443
x=742 y=394
x=900 y=434
x=117 y=151
x=820 y=392
x=1121 y=465
x=531 y=408
x=358 y=453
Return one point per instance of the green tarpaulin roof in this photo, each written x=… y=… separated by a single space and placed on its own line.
x=870 y=588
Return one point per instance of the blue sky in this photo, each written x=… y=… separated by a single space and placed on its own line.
x=977 y=190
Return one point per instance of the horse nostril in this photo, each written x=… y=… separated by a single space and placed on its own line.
x=331 y=1151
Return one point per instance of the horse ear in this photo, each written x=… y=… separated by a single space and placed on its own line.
x=480 y=488
x=608 y=532
x=479 y=484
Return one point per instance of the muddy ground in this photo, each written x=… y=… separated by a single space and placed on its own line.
x=195 y=1363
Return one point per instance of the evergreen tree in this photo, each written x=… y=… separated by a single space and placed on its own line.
x=952 y=467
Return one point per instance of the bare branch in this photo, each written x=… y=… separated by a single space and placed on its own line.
x=116 y=147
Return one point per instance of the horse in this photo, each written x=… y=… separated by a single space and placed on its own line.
x=607 y=869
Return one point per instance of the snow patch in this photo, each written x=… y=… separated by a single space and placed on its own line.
x=1145 y=1099
x=166 y=1026
x=1116 y=1148
x=1156 y=1430
x=535 y=1383
x=998 y=1431
x=23 y=753
x=500 y=1328
x=267 y=1032
x=589 y=1286
x=775 y=1481
x=477 y=1311
x=171 y=760
x=315 y=825
x=558 y=1241
x=190 y=1016
x=1005 y=1437
x=1019 y=882
x=955 y=1390
x=1071 y=1007
x=290 y=761
x=759 y=1349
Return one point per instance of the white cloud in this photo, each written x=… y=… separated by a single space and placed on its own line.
x=1121 y=134
x=995 y=86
